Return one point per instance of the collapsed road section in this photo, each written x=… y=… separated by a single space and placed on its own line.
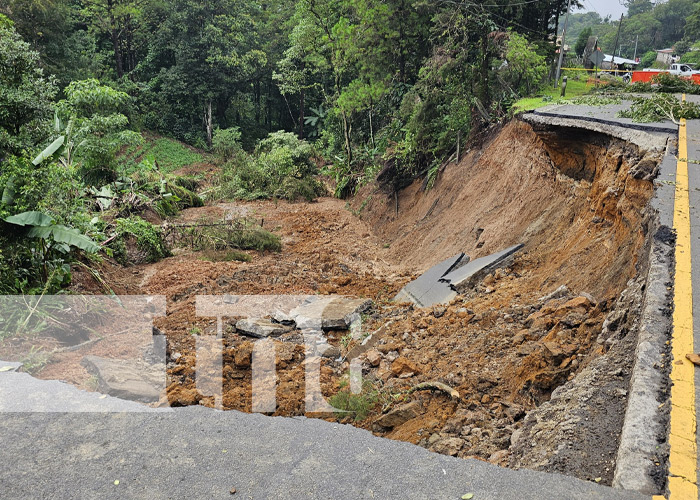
x=520 y=354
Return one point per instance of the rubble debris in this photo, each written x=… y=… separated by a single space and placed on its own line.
x=329 y=313
x=454 y=394
x=693 y=358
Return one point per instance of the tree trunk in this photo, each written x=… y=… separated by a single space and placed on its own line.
x=346 y=133
x=116 y=42
x=268 y=116
x=302 y=103
x=208 y=123
x=256 y=90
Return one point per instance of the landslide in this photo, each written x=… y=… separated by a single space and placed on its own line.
x=566 y=194
x=576 y=200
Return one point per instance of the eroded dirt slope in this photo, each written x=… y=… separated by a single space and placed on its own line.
x=576 y=200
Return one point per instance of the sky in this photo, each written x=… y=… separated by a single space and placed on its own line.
x=604 y=7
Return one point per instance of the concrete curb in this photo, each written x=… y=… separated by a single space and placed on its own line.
x=643 y=442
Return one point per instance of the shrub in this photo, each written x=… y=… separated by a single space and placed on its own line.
x=149 y=238
x=281 y=168
x=648 y=59
x=360 y=405
x=227 y=142
x=673 y=84
x=220 y=237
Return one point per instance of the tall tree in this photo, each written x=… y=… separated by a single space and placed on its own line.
x=26 y=95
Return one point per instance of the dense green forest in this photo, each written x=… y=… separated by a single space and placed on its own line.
x=273 y=91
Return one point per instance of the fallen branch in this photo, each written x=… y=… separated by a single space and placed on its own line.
x=436 y=386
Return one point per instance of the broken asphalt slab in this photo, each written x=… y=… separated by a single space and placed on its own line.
x=427 y=290
x=132 y=380
x=24 y=394
x=329 y=313
x=469 y=275
x=261 y=328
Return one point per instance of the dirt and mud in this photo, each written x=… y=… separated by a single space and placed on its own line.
x=574 y=199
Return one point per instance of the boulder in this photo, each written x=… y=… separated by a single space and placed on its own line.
x=374 y=357
x=448 y=446
x=404 y=368
x=400 y=415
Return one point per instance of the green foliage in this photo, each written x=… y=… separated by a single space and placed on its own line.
x=648 y=59
x=149 y=238
x=227 y=142
x=165 y=153
x=660 y=107
x=35 y=360
x=597 y=100
x=95 y=116
x=526 y=68
x=42 y=264
x=582 y=40
x=228 y=256
x=243 y=235
x=41 y=226
x=25 y=94
x=281 y=168
x=359 y=405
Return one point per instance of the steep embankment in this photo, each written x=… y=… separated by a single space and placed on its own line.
x=568 y=195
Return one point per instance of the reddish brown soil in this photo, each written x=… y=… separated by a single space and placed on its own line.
x=572 y=204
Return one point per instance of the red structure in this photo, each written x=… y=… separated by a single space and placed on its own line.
x=647 y=76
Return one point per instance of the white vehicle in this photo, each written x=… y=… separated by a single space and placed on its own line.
x=683 y=70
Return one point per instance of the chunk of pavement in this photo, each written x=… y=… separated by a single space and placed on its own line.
x=470 y=275
x=283 y=318
x=400 y=415
x=329 y=313
x=133 y=380
x=428 y=290
x=260 y=328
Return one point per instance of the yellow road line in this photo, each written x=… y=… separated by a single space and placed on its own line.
x=682 y=481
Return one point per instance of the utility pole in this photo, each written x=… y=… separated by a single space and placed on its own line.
x=636 y=44
x=563 y=43
x=617 y=39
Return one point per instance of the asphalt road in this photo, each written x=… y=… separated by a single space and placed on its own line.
x=202 y=453
x=693 y=132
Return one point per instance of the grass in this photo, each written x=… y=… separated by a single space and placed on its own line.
x=361 y=405
x=35 y=360
x=574 y=89
x=170 y=154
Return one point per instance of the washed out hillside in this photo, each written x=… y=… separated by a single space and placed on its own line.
x=446 y=224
